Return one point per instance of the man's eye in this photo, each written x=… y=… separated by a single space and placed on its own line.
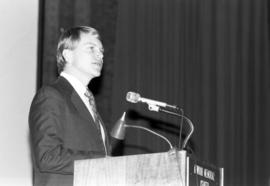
x=90 y=49
x=94 y=49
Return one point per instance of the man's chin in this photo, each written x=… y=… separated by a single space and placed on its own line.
x=97 y=74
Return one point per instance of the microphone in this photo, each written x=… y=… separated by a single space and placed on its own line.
x=135 y=98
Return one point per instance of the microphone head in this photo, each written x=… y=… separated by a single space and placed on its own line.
x=133 y=97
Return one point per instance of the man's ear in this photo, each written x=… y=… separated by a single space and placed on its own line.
x=67 y=54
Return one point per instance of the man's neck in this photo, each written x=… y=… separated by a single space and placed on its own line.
x=84 y=79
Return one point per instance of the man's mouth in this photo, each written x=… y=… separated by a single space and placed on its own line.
x=98 y=64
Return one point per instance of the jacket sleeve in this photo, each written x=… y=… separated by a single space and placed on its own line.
x=46 y=131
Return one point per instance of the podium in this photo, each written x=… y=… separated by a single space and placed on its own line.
x=172 y=168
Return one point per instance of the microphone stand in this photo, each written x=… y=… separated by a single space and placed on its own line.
x=158 y=109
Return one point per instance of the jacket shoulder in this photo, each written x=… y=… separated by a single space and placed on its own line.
x=60 y=88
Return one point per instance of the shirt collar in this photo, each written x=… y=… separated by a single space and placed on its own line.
x=76 y=84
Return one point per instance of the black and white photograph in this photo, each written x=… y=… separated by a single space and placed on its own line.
x=135 y=93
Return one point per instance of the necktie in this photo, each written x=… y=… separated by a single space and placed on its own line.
x=96 y=116
x=92 y=103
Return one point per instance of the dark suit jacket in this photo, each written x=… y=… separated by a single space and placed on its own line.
x=62 y=130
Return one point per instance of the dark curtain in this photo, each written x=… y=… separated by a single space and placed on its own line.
x=210 y=57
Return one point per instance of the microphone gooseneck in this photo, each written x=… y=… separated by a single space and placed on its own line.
x=153 y=132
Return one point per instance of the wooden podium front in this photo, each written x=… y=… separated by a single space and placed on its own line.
x=166 y=168
x=157 y=169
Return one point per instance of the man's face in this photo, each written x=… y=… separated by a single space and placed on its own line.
x=87 y=57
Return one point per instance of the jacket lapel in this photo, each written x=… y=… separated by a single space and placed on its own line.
x=80 y=106
x=107 y=143
x=69 y=91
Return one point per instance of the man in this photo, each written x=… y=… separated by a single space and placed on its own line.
x=64 y=124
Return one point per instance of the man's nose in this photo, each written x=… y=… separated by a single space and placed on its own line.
x=99 y=55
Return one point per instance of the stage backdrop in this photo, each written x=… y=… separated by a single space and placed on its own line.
x=18 y=59
x=209 y=57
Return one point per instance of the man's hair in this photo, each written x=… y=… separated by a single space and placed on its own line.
x=68 y=40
